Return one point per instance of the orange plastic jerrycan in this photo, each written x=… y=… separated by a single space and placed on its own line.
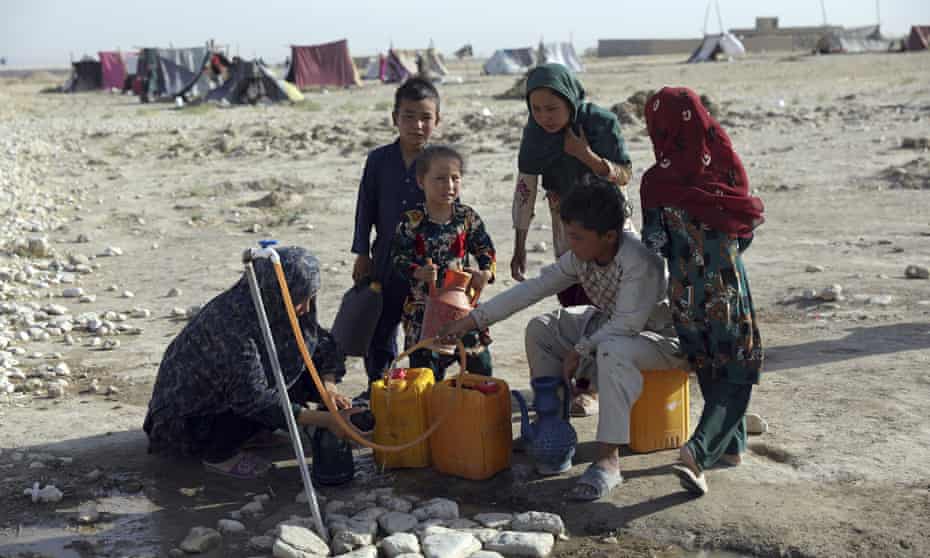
x=444 y=305
x=400 y=404
x=660 y=417
x=475 y=439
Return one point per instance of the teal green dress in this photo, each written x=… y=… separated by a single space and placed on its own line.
x=709 y=295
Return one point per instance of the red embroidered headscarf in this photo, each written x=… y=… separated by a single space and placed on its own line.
x=696 y=168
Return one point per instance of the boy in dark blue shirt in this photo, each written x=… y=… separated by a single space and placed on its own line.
x=388 y=189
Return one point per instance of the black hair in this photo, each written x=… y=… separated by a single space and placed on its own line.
x=416 y=89
x=597 y=207
x=431 y=152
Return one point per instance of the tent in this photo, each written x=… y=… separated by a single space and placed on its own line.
x=321 y=65
x=131 y=65
x=714 y=45
x=251 y=82
x=166 y=73
x=399 y=65
x=86 y=75
x=559 y=53
x=507 y=61
x=858 y=39
x=919 y=39
x=430 y=64
x=375 y=68
x=113 y=70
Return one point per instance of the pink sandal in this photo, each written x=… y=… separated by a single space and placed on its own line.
x=247 y=466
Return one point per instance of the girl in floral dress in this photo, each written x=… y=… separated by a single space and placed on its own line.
x=439 y=235
x=698 y=214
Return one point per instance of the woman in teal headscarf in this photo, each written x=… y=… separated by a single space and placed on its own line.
x=571 y=143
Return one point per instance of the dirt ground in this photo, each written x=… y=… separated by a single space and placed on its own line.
x=843 y=471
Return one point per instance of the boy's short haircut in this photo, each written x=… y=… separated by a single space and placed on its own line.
x=597 y=207
x=433 y=152
x=416 y=89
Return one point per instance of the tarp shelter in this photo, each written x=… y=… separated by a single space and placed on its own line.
x=508 y=61
x=858 y=39
x=431 y=64
x=131 y=64
x=714 y=45
x=399 y=65
x=166 y=73
x=249 y=82
x=113 y=70
x=919 y=39
x=375 y=68
x=321 y=65
x=86 y=75
x=559 y=53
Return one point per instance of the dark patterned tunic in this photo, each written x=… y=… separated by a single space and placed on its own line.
x=447 y=244
x=709 y=294
x=218 y=364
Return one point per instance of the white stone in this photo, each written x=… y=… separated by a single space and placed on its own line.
x=141 y=313
x=462 y=523
x=295 y=541
x=881 y=300
x=450 y=545
x=397 y=522
x=128 y=294
x=755 y=424
x=86 y=299
x=396 y=503
x=48 y=494
x=399 y=543
x=111 y=344
x=347 y=540
x=486 y=554
x=111 y=251
x=494 y=520
x=55 y=310
x=814 y=269
x=364 y=552
x=534 y=545
x=370 y=514
x=87 y=513
x=62 y=369
x=55 y=390
x=200 y=540
x=437 y=508
x=229 y=526
x=253 y=508
x=534 y=521
x=334 y=506
x=483 y=534
x=539 y=247
x=72 y=292
x=262 y=542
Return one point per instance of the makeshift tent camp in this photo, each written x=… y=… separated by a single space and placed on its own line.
x=430 y=64
x=131 y=65
x=112 y=69
x=321 y=65
x=375 y=68
x=714 y=45
x=166 y=73
x=919 y=39
x=399 y=65
x=559 y=53
x=86 y=75
x=466 y=51
x=251 y=82
x=509 y=61
x=858 y=39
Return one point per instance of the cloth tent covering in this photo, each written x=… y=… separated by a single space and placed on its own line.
x=113 y=70
x=432 y=63
x=375 y=67
x=714 y=45
x=399 y=65
x=919 y=38
x=560 y=53
x=250 y=82
x=508 y=61
x=321 y=65
x=167 y=73
x=858 y=39
x=86 y=75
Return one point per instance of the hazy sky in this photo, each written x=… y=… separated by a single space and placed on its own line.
x=45 y=32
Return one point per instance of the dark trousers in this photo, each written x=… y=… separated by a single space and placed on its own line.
x=475 y=363
x=722 y=428
x=228 y=433
x=574 y=296
x=383 y=348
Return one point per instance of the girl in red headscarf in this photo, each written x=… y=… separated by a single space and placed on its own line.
x=698 y=214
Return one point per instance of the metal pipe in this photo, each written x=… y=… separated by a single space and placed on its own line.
x=282 y=385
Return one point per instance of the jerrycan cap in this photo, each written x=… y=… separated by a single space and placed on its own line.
x=398 y=374
x=488 y=387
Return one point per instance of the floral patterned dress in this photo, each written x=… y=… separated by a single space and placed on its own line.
x=709 y=294
x=448 y=245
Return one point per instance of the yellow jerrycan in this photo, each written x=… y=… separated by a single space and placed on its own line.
x=660 y=417
x=475 y=440
x=400 y=404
